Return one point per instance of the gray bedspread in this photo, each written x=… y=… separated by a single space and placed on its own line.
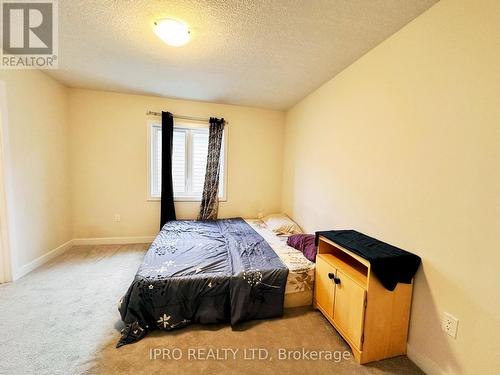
x=203 y=272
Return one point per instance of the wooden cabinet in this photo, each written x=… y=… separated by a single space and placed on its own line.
x=372 y=319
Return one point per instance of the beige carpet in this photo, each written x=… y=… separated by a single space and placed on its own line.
x=63 y=319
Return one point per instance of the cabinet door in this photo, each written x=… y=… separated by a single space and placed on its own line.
x=324 y=286
x=349 y=308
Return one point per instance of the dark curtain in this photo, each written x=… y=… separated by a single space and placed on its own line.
x=210 y=200
x=167 y=187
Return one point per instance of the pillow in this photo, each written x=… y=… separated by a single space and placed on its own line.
x=305 y=244
x=281 y=224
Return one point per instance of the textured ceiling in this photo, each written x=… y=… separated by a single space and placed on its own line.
x=262 y=53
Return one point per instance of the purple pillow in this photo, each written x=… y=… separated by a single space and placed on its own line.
x=305 y=244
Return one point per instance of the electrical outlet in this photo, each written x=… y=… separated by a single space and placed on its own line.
x=450 y=325
x=117 y=218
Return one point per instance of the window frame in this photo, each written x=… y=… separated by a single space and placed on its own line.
x=183 y=125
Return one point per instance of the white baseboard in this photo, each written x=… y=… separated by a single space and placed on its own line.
x=427 y=365
x=27 y=268
x=112 y=240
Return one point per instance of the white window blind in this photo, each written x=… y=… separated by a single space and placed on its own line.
x=200 y=152
x=178 y=161
x=189 y=161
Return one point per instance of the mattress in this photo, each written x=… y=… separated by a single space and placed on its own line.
x=300 y=281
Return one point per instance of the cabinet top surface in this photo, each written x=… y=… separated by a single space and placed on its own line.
x=390 y=264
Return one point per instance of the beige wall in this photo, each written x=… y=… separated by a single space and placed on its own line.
x=39 y=194
x=109 y=161
x=404 y=145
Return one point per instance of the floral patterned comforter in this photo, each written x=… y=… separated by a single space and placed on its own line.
x=203 y=272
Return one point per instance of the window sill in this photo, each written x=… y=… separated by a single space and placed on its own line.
x=183 y=199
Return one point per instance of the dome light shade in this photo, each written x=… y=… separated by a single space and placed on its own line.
x=172 y=32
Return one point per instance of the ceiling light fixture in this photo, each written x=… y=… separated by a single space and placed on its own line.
x=172 y=32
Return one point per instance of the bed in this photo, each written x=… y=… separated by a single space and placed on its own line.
x=229 y=270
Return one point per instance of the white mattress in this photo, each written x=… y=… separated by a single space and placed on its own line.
x=300 y=269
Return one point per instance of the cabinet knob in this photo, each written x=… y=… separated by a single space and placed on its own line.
x=331 y=276
x=336 y=280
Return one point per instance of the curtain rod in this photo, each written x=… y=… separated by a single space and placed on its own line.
x=192 y=118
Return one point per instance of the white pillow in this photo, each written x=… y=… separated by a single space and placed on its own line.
x=281 y=224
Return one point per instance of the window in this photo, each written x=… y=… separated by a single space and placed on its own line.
x=189 y=161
